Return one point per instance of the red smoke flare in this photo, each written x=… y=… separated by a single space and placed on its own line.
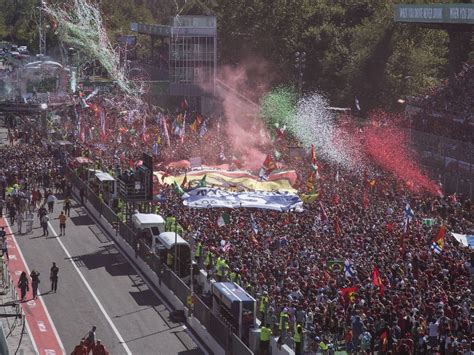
x=388 y=146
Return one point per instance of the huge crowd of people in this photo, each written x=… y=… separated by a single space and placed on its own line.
x=288 y=262
x=299 y=265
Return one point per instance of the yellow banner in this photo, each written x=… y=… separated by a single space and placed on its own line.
x=232 y=180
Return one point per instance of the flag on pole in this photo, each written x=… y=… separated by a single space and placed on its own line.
x=269 y=164
x=196 y=124
x=314 y=163
x=324 y=215
x=377 y=280
x=408 y=216
x=185 y=181
x=348 y=293
x=202 y=182
x=183 y=129
x=357 y=103
x=165 y=129
x=428 y=222
x=438 y=241
x=253 y=223
x=349 y=269
x=177 y=189
x=203 y=129
x=154 y=148
x=224 y=219
x=102 y=120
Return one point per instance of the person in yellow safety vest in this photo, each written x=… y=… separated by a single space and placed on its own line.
x=198 y=253
x=265 y=334
x=220 y=268
x=249 y=288
x=235 y=277
x=297 y=338
x=209 y=263
x=225 y=269
x=284 y=324
x=169 y=260
x=323 y=346
x=263 y=306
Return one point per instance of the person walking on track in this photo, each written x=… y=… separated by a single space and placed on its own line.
x=51 y=199
x=90 y=339
x=99 y=349
x=35 y=281
x=80 y=349
x=67 y=206
x=54 y=277
x=23 y=285
x=44 y=224
x=62 y=223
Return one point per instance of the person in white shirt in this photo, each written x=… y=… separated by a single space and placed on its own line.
x=433 y=333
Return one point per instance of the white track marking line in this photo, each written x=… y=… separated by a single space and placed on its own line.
x=40 y=300
x=150 y=286
x=89 y=288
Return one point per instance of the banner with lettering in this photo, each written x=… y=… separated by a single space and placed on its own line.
x=216 y=198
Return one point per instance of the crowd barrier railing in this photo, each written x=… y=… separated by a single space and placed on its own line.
x=214 y=325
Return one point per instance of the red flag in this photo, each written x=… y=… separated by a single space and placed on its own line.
x=348 y=293
x=269 y=164
x=377 y=280
x=383 y=341
x=441 y=234
x=184 y=104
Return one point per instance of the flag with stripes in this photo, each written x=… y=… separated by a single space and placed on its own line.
x=438 y=241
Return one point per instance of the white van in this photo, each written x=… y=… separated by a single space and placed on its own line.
x=152 y=230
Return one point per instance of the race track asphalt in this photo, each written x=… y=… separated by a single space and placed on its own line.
x=137 y=313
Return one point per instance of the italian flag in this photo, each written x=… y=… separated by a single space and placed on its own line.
x=223 y=220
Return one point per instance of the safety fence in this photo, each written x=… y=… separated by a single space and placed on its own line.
x=223 y=335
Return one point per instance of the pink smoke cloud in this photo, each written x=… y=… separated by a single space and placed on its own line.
x=240 y=89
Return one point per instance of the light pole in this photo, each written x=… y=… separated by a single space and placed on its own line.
x=300 y=65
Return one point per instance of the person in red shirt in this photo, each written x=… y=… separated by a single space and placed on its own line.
x=80 y=349
x=100 y=349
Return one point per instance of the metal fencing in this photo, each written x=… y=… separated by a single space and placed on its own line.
x=214 y=325
x=448 y=161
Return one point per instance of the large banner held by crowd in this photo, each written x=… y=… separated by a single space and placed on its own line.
x=233 y=180
x=214 y=198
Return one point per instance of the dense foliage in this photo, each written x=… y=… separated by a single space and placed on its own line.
x=353 y=48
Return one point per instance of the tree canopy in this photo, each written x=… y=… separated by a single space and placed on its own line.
x=353 y=48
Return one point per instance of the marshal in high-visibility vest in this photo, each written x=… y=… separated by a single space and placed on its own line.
x=265 y=334
x=169 y=259
x=284 y=320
